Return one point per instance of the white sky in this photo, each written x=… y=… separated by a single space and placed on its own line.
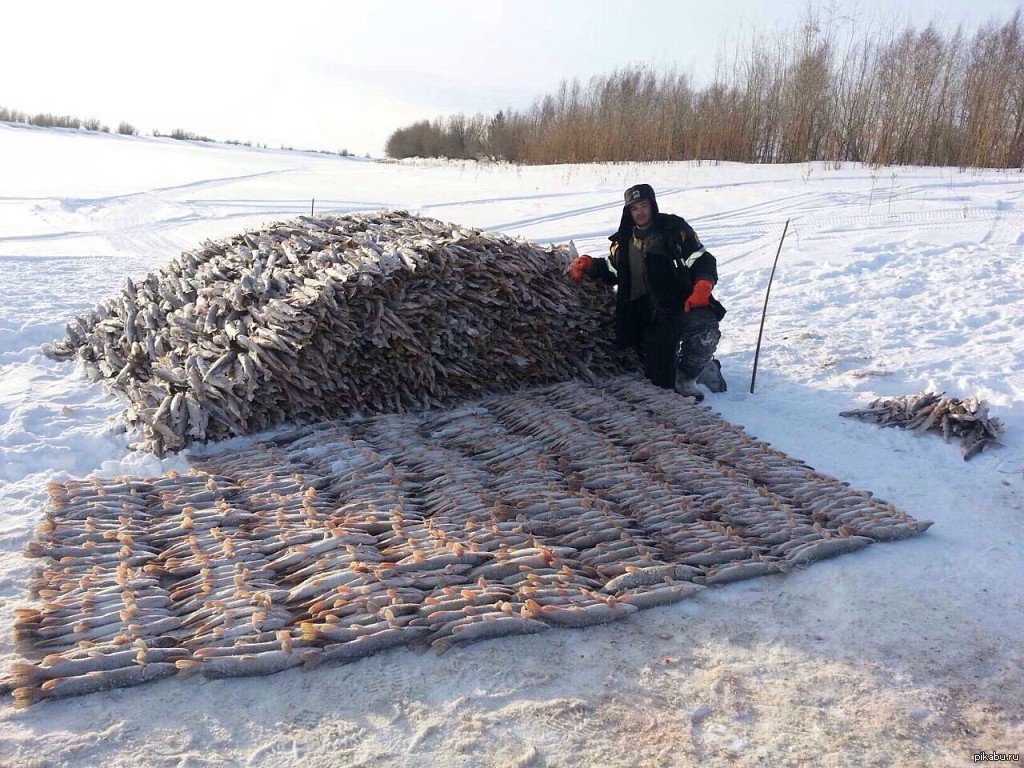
x=334 y=75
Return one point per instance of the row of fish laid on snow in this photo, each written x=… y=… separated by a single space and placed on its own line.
x=967 y=420
x=561 y=505
x=329 y=315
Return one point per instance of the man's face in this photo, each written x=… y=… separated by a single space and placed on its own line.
x=641 y=212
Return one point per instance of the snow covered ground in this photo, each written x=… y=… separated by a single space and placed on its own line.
x=891 y=281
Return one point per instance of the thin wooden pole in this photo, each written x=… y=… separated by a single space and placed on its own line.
x=764 y=311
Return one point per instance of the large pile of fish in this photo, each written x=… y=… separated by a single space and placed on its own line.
x=967 y=420
x=561 y=505
x=330 y=315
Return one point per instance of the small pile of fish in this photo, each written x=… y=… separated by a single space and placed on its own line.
x=967 y=420
x=330 y=315
x=562 y=505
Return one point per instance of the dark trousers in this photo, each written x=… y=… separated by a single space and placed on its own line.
x=675 y=342
x=698 y=340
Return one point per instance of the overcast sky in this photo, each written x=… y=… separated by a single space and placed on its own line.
x=340 y=75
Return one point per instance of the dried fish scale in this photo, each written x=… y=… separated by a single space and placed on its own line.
x=967 y=420
x=335 y=540
x=566 y=504
x=331 y=315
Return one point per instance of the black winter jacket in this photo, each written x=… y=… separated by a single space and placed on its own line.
x=671 y=266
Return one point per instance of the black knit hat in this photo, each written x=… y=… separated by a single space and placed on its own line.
x=634 y=193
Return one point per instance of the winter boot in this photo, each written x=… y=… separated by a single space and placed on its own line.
x=711 y=376
x=688 y=388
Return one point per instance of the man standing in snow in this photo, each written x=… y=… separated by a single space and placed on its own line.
x=664 y=307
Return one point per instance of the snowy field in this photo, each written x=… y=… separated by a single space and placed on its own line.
x=891 y=281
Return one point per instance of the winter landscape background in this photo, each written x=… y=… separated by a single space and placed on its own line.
x=892 y=280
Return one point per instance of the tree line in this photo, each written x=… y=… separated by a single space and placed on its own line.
x=49 y=120
x=881 y=97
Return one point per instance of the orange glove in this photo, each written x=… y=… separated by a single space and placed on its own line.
x=578 y=266
x=699 y=296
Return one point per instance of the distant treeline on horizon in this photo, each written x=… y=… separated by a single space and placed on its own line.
x=895 y=97
x=48 y=120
